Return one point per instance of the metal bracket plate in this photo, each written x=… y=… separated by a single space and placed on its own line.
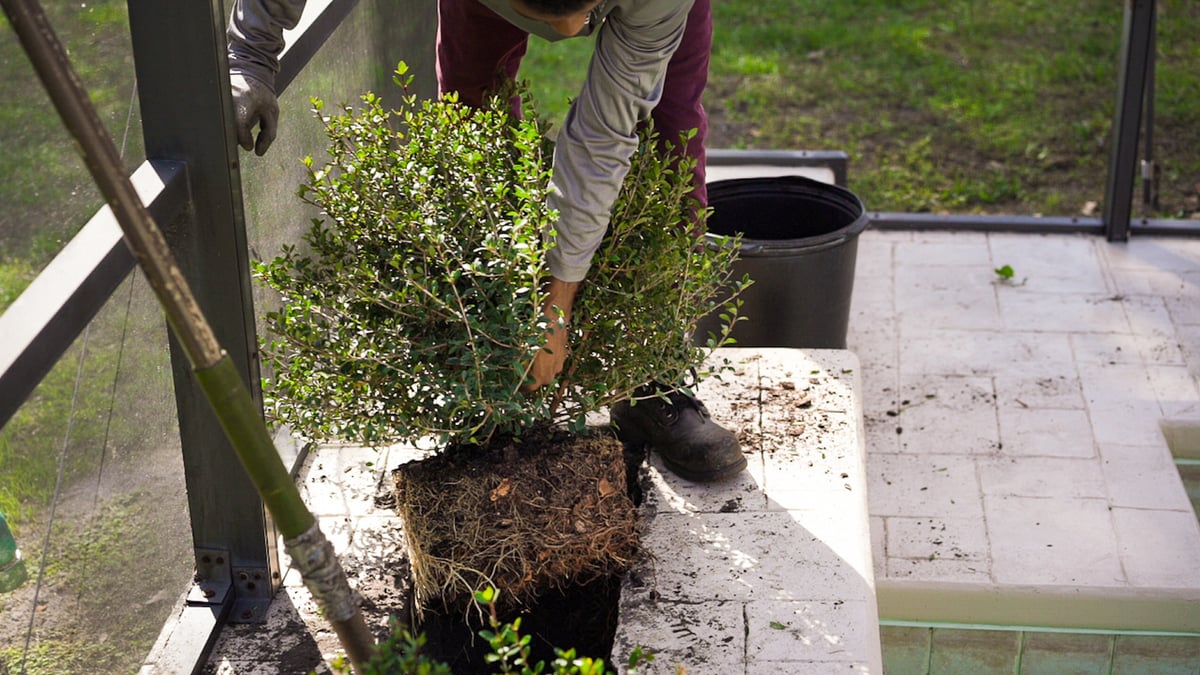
x=213 y=578
x=252 y=595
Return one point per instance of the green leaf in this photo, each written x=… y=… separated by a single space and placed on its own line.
x=1005 y=272
x=778 y=626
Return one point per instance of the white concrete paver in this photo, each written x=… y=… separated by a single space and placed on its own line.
x=1038 y=464
x=770 y=572
x=1040 y=450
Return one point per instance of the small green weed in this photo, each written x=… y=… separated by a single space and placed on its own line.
x=400 y=653
x=1006 y=275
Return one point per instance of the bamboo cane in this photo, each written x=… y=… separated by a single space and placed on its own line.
x=311 y=552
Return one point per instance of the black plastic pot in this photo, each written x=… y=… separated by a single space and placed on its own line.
x=799 y=244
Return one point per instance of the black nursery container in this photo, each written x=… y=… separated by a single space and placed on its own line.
x=799 y=244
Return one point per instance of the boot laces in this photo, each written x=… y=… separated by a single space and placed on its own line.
x=680 y=400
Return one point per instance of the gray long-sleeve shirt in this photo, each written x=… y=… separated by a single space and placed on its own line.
x=634 y=41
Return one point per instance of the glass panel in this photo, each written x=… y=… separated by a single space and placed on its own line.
x=958 y=107
x=1175 y=114
x=91 y=482
x=45 y=190
x=360 y=56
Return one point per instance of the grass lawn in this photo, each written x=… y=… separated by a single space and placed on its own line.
x=1002 y=106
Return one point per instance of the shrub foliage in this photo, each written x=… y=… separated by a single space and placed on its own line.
x=412 y=309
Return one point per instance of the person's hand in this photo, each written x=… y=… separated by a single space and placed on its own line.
x=254 y=103
x=548 y=362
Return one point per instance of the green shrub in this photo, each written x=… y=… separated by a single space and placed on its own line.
x=414 y=311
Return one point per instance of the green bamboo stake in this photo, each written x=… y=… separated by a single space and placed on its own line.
x=311 y=552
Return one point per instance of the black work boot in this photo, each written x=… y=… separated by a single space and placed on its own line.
x=682 y=431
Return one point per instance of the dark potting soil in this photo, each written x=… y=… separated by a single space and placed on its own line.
x=582 y=617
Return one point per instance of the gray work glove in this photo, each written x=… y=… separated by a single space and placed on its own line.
x=255 y=40
x=254 y=103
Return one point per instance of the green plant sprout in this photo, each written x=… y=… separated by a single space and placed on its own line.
x=1007 y=275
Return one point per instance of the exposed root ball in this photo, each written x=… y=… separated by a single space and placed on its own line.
x=525 y=518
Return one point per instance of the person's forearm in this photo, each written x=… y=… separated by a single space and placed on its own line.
x=255 y=35
x=560 y=298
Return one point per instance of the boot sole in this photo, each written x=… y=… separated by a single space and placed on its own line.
x=705 y=476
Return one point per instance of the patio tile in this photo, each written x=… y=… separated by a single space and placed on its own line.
x=1159 y=549
x=732 y=398
x=1157 y=334
x=1094 y=349
x=1183 y=311
x=799 y=418
x=241 y=648
x=1063 y=312
x=874 y=294
x=948 y=570
x=828 y=631
x=1042 y=477
x=1154 y=253
x=880 y=394
x=343 y=480
x=986 y=353
x=1176 y=390
x=742 y=492
x=1061 y=653
x=874 y=257
x=931 y=249
x=1050 y=263
x=1189 y=345
x=943 y=278
x=1052 y=541
x=1045 y=432
x=700 y=637
x=937 y=537
x=1143 y=477
x=807 y=484
x=876 y=346
x=378 y=538
x=880 y=435
x=878 y=543
x=913 y=485
x=779 y=558
x=1128 y=281
x=1126 y=423
x=922 y=311
x=1028 y=281
x=1116 y=382
x=947 y=415
x=1032 y=392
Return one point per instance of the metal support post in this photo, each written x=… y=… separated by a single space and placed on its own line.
x=1136 y=43
x=183 y=91
x=1150 y=171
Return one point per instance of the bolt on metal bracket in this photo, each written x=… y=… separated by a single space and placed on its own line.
x=213 y=578
x=252 y=595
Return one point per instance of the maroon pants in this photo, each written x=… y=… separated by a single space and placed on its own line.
x=475 y=46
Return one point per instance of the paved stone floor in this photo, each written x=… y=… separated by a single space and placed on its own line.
x=1016 y=470
x=1013 y=428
